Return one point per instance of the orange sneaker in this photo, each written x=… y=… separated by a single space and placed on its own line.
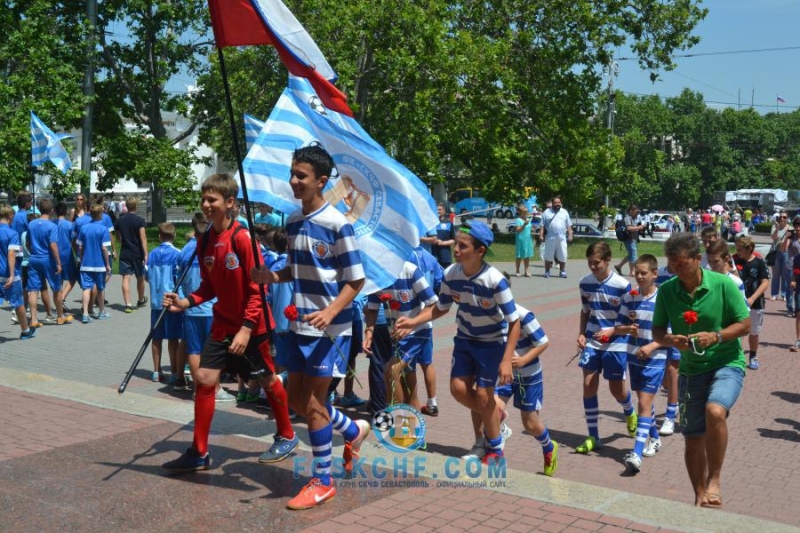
x=352 y=449
x=312 y=495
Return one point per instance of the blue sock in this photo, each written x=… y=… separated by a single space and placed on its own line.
x=592 y=410
x=642 y=430
x=342 y=423
x=672 y=411
x=544 y=440
x=653 y=426
x=494 y=444
x=627 y=405
x=321 y=444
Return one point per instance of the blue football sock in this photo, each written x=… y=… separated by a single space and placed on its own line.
x=653 y=426
x=592 y=410
x=494 y=444
x=672 y=411
x=544 y=440
x=642 y=430
x=321 y=443
x=342 y=423
x=627 y=405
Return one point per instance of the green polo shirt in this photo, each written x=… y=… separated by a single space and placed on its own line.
x=718 y=303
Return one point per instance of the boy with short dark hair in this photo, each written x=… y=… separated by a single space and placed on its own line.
x=10 y=280
x=161 y=266
x=44 y=264
x=93 y=241
x=238 y=329
x=132 y=253
x=325 y=265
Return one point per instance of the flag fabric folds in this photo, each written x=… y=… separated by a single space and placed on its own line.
x=387 y=204
x=252 y=127
x=780 y=99
x=46 y=146
x=256 y=22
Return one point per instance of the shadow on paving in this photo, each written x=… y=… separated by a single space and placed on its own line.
x=791 y=397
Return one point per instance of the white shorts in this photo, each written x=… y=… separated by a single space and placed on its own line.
x=555 y=248
x=756 y=321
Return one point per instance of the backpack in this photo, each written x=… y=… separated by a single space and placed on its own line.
x=621 y=230
x=204 y=240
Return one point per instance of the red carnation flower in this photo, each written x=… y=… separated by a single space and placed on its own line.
x=384 y=297
x=394 y=305
x=634 y=292
x=690 y=317
x=291 y=312
x=796 y=271
x=739 y=267
x=605 y=339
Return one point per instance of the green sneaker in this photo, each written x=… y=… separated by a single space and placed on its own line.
x=590 y=444
x=632 y=421
x=551 y=461
x=241 y=396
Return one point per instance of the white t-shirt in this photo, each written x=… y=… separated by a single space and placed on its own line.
x=556 y=223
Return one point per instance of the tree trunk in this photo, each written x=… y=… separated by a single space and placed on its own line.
x=159 y=211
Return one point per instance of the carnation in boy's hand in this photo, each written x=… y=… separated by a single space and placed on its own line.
x=394 y=305
x=384 y=297
x=634 y=292
x=291 y=312
x=605 y=339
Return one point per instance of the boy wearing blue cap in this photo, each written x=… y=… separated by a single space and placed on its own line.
x=488 y=329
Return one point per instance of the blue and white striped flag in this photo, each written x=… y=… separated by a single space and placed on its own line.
x=46 y=146
x=252 y=127
x=387 y=204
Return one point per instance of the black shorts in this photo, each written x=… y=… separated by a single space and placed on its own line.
x=256 y=360
x=131 y=268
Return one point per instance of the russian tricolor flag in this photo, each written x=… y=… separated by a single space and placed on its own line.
x=255 y=22
x=780 y=99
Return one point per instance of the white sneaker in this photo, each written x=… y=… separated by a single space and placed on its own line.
x=223 y=396
x=667 y=427
x=633 y=462
x=478 y=450
x=505 y=434
x=652 y=447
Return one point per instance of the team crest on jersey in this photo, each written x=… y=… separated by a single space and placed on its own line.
x=484 y=303
x=231 y=261
x=632 y=315
x=404 y=296
x=209 y=262
x=456 y=297
x=321 y=249
x=357 y=193
x=615 y=302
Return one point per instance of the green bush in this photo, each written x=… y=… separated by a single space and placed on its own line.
x=764 y=227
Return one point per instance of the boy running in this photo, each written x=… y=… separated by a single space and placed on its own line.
x=488 y=329
x=238 y=328
x=324 y=264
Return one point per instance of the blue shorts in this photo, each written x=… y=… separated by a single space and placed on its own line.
x=13 y=294
x=478 y=360
x=721 y=386
x=281 y=342
x=91 y=279
x=38 y=271
x=528 y=392
x=632 y=249
x=318 y=356
x=170 y=327
x=69 y=272
x=673 y=354
x=646 y=378
x=195 y=331
x=613 y=364
x=414 y=349
x=132 y=268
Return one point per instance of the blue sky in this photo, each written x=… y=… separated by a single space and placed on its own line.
x=733 y=25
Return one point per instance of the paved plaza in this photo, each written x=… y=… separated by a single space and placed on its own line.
x=77 y=456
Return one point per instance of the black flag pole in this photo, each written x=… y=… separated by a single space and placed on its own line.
x=238 y=152
x=138 y=359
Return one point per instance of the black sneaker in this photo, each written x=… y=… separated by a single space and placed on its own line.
x=180 y=385
x=430 y=411
x=188 y=462
x=25 y=335
x=142 y=302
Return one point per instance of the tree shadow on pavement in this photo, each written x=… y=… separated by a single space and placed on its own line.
x=792 y=435
x=791 y=397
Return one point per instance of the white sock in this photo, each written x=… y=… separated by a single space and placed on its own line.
x=432 y=402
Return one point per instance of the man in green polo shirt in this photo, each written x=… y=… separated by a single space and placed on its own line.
x=707 y=315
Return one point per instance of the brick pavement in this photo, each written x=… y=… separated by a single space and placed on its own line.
x=763 y=424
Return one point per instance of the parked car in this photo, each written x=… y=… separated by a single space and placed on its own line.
x=536 y=221
x=586 y=230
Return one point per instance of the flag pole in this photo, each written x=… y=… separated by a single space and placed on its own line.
x=238 y=152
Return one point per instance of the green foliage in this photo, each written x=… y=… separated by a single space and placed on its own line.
x=763 y=227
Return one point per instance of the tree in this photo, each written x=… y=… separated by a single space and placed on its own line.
x=39 y=71
x=498 y=92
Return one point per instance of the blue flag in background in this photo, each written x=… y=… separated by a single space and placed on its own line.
x=252 y=127
x=46 y=146
x=388 y=206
